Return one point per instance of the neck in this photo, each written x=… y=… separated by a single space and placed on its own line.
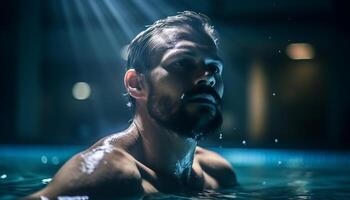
x=164 y=151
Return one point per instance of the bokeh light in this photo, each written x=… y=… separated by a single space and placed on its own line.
x=300 y=51
x=81 y=91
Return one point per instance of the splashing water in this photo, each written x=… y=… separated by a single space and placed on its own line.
x=73 y=197
x=55 y=160
x=221 y=135
x=44 y=159
x=46 y=180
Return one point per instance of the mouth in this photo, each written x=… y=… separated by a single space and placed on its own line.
x=202 y=96
x=202 y=99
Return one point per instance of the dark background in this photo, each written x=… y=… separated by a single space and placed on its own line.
x=270 y=100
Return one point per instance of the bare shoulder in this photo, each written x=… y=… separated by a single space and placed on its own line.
x=216 y=166
x=100 y=170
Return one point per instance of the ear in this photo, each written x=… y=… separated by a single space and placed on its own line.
x=135 y=84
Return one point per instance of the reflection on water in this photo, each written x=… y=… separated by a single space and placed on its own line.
x=255 y=183
x=267 y=181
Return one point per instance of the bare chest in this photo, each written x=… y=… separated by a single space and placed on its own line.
x=196 y=181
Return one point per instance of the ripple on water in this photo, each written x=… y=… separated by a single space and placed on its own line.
x=275 y=181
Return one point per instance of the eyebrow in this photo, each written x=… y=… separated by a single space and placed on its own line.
x=186 y=53
x=181 y=53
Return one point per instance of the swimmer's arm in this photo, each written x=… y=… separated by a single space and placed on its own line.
x=63 y=183
x=216 y=168
x=115 y=176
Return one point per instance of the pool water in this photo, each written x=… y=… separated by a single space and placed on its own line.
x=262 y=174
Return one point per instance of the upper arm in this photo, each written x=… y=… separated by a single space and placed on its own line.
x=113 y=174
x=217 y=167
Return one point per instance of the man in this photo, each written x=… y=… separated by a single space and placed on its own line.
x=175 y=88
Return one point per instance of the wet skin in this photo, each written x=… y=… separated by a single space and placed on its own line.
x=150 y=157
x=184 y=60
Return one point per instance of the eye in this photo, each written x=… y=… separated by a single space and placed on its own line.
x=214 y=68
x=178 y=64
x=182 y=64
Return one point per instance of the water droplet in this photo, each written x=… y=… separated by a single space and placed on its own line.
x=198 y=136
x=128 y=104
x=44 y=159
x=70 y=197
x=279 y=51
x=244 y=142
x=273 y=94
x=279 y=162
x=44 y=198
x=46 y=180
x=276 y=140
x=3 y=176
x=220 y=136
x=264 y=182
x=55 y=160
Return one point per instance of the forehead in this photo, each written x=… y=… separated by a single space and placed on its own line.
x=174 y=40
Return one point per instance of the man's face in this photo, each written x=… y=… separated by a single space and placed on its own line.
x=186 y=85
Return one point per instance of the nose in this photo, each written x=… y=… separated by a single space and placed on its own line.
x=207 y=78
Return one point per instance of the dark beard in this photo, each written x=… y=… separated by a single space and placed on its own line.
x=184 y=123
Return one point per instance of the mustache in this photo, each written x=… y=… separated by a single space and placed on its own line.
x=202 y=89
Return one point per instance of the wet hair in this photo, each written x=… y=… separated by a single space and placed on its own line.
x=140 y=48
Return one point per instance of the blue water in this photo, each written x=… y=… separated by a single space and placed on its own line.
x=262 y=174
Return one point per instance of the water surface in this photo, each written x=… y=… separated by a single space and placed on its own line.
x=262 y=174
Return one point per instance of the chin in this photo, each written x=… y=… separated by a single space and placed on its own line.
x=198 y=128
x=191 y=121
